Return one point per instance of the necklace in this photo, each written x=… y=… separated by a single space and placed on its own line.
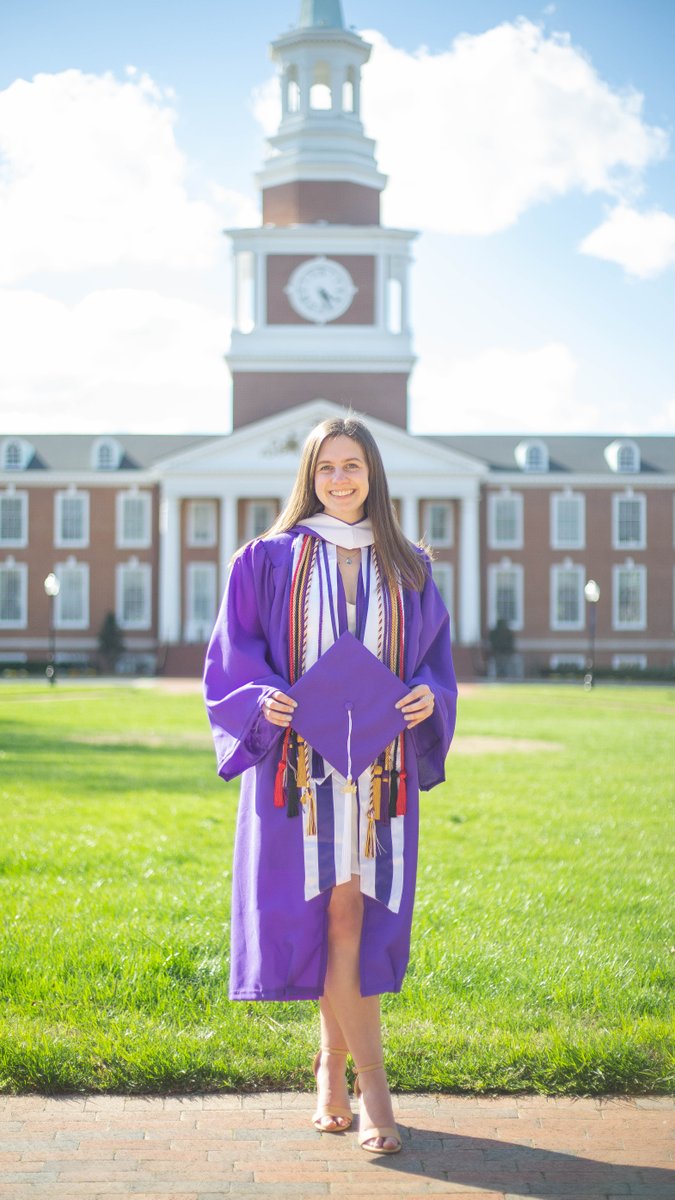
x=348 y=559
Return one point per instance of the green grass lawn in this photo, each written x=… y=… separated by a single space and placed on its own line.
x=542 y=957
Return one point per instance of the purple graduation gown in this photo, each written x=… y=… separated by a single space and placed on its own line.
x=278 y=939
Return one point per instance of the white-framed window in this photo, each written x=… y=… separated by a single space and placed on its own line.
x=71 y=519
x=71 y=605
x=568 y=521
x=619 y=661
x=575 y=662
x=442 y=576
x=437 y=522
x=629 y=596
x=16 y=454
x=202 y=523
x=13 y=518
x=201 y=601
x=567 y=596
x=13 y=594
x=505 y=520
x=259 y=516
x=629 y=521
x=106 y=454
x=505 y=594
x=134 y=510
x=133 y=595
x=623 y=456
x=532 y=455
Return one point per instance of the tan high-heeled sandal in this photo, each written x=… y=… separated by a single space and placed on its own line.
x=376 y=1131
x=330 y=1110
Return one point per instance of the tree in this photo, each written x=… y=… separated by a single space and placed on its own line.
x=110 y=641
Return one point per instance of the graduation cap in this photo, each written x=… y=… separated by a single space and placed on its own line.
x=345 y=706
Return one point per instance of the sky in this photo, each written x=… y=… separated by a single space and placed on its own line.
x=530 y=144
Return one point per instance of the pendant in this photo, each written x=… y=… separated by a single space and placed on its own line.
x=349 y=788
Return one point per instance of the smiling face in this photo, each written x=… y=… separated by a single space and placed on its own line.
x=341 y=478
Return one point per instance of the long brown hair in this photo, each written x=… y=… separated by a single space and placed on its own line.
x=395 y=553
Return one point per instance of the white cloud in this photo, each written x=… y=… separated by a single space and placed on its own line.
x=266 y=105
x=120 y=358
x=474 y=136
x=499 y=390
x=91 y=176
x=642 y=243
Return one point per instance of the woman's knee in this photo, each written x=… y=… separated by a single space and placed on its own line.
x=345 y=913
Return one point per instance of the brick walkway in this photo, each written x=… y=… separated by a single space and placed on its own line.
x=206 y=1147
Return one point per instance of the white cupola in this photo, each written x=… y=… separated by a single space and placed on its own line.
x=320 y=134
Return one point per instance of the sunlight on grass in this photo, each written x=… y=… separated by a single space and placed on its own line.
x=541 y=959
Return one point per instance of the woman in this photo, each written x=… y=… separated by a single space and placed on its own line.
x=322 y=904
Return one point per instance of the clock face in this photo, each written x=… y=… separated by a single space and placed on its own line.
x=320 y=290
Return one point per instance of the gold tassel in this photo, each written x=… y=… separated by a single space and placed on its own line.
x=311 y=813
x=371 y=839
x=376 y=789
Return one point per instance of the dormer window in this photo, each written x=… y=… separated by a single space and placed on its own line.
x=107 y=454
x=16 y=454
x=532 y=455
x=623 y=457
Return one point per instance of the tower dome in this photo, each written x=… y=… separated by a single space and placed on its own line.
x=321 y=12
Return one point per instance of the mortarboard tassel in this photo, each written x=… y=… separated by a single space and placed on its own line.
x=350 y=786
x=279 y=790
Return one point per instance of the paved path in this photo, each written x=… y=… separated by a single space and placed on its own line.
x=207 y=1147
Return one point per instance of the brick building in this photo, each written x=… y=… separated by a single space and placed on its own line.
x=145 y=525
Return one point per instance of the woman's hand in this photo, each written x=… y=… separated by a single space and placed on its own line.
x=278 y=708
x=417 y=705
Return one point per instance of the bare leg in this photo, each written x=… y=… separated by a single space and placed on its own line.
x=331 y=1073
x=357 y=1016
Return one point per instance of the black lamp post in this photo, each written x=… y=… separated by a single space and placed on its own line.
x=592 y=594
x=52 y=588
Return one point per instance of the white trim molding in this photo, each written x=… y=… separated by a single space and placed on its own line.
x=639 y=573
x=495 y=499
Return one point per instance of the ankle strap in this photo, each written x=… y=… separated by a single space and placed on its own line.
x=333 y=1050
x=372 y=1067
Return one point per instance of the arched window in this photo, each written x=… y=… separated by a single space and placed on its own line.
x=348 y=91
x=16 y=454
x=623 y=457
x=106 y=454
x=532 y=455
x=626 y=458
x=320 y=96
x=292 y=90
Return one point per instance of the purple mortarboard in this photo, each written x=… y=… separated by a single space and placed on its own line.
x=345 y=706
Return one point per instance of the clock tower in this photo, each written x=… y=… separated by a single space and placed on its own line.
x=320 y=288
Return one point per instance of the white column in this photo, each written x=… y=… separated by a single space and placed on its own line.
x=169 y=569
x=469 y=573
x=381 y=297
x=260 y=289
x=228 y=536
x=410 y=518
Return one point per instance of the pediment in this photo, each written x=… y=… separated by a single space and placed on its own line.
x=272 y=447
